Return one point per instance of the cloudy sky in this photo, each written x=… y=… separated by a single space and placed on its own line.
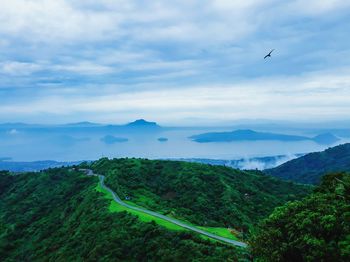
x=180 y=61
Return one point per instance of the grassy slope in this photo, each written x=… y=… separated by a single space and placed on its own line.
x=208 y=196
x=115 y=207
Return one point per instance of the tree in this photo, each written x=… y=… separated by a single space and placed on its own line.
x=316 y=228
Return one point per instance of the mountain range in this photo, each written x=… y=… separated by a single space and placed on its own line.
x=137 y=124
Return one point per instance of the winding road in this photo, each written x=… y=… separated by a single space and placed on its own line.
x=117 y=199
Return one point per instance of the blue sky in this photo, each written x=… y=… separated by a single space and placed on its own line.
x=175 y=62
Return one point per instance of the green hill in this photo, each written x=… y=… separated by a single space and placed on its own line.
x=310 y=168
x=63 y=215
x=204 y=195
x=316 y=228
x=58 y=215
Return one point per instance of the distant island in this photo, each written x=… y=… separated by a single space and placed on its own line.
x=109 y=139
x=250 y=135
x=137 y=126
x=162 y=139
x=143 y=123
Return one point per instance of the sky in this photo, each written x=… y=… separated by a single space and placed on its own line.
x=184 y=62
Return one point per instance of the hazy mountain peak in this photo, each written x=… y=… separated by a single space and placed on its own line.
x=326 y=139
x=143 y=123
x=244 y=131
x=84 y=123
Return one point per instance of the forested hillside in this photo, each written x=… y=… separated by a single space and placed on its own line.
x=310 y=168
x=200 y=194
x=61 y=214
x=58 y=215
x=314 y=229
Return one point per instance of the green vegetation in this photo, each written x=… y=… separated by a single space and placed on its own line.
x=310 y=168
x=220 y=231
x=58 y=215
x=314 y=229
x=115 y=207
x=203 y=195
x=63 y=215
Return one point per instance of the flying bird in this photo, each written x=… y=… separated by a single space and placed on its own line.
x=269 y=54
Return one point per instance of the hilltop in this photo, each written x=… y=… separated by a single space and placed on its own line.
x=310 y=168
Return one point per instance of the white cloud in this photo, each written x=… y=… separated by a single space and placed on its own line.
x=317 y=7
x=18 y=68
x=202 y=22
x=63 y=21
x=85 y=68
x=318 y=96
x=50 y=21
x=201 y=59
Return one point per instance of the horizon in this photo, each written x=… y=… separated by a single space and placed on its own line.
x=344 y=123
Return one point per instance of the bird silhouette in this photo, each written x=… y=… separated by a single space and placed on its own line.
x=269 y=54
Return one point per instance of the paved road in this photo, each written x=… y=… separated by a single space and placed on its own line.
x=169 y=219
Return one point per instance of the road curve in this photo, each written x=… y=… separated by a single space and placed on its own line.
x=169 y=219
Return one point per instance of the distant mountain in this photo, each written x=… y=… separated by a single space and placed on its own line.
x=139 y=126
x=250 y=135
x=326 y=139
x=311 y=167
x=136 y=123
x=162 y=139
x=82 y=124
x=34 y=166
x=143 y=123
x=109 y=139
x=17 y=125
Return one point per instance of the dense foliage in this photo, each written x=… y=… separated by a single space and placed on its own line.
x=57 y=215
x=201 y=194
x=314 y=229
x=310 y=168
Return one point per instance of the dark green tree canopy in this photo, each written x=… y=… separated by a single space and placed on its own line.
x=316 y=228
